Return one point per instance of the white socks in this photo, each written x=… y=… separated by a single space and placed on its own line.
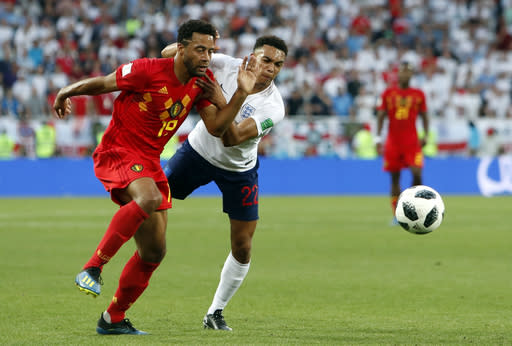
x=231 y=277
x=106 y=317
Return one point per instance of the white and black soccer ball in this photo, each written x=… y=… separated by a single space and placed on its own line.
x=420 y=209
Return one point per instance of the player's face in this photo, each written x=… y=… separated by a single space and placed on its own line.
x=271 y=61
x=198 y=53
x=404 y=74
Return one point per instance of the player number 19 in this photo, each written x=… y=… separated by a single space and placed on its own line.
x=167 y=125
x=402 y=113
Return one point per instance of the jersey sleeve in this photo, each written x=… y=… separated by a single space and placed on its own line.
x=268 y=116
x=222 y=62
x=134 y=76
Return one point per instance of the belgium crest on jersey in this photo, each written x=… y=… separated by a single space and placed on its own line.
x=137 y=167
x=175 y=109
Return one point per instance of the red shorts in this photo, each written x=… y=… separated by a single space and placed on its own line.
x=398 y=159
x=116 y=168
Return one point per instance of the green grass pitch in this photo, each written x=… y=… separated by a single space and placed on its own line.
x=325 y=270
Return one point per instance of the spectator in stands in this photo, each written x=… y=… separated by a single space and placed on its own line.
x=295 y=103
x=6 y=145
x=342 y=102
x=26 y=137
x=364 y=144
x=491 y=145
x=319 y=103
x=35 y=105
x=11 y=106
x=473 y=140
x=45 y=137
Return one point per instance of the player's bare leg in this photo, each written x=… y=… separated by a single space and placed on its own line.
x=233 y=273
x=395 y=189
x=416 y=176
x=151 y=249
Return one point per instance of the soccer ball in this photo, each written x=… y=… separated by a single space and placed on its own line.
x=420 y=209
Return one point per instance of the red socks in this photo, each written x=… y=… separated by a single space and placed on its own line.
x=134 y=280
x=125 y=222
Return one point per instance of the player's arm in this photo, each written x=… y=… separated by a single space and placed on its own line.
x=170 y=50
x=89 y=86
x=424 y=118
x=381 y=115
x=239 y=133
x=217 y=120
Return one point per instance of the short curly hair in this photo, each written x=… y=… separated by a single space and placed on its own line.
x=187 y=29
x=273 y=41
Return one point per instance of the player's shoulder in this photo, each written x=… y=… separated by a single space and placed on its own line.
x=416 y=91
x=273 y=99
x=154 y=63
x=222 y=63
x=387 y=91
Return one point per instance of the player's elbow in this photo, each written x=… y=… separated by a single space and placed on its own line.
x=228 y=142
x=217 y=131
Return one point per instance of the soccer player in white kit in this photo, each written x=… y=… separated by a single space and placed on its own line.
x=232 y=161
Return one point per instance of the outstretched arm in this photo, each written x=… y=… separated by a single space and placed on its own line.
x=239 y=133
x=89 y=86
x=216 y=120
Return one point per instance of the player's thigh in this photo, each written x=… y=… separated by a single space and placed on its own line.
x=414 y=158
x=150 y=237
x=240 y=194
x=186 y=170
x=242 y=231
x=392 y=161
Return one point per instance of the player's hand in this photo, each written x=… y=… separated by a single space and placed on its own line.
x=211 y=91
x=62 y=106
x=248 y=72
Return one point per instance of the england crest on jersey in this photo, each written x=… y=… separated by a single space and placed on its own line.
x=247 y=111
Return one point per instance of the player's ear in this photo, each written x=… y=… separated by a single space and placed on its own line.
x=180 y=48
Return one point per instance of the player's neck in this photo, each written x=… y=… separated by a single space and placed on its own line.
x=259 y=87
x=180 y=70
x=403 y=85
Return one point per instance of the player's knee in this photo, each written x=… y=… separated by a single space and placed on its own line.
x=153 y=255
x=150 y=201
x=242 y=252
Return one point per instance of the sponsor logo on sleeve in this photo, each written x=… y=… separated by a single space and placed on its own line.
x=127 y=69
x=266 y=124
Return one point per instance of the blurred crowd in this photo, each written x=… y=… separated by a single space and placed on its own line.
x=342 y=53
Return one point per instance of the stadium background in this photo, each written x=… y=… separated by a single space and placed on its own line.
x=342 y=56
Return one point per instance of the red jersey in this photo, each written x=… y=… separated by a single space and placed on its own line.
x=152 y=105
x=402 y=107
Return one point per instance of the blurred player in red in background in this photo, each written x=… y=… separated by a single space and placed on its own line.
x=402 y=105
x=156 y=97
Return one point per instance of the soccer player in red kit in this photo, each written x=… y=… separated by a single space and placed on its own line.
x=156 y=97
x=402 y=105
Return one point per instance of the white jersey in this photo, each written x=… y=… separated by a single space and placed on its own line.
x=265 y=107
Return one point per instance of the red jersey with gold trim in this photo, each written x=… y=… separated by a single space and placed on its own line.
x=402 y=107
x=152 y=105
